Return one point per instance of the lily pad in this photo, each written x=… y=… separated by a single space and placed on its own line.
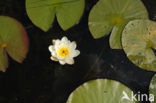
x=139 y=43
x=42 y=12
x=152 y=89
x=13 y=40
x=113 y=15
x=101 y=91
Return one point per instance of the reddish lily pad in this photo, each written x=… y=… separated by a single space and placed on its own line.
x=13 y=41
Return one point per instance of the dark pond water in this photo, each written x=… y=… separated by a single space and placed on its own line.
x=40 y=80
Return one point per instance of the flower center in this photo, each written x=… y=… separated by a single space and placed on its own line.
x=3 y=45
x=63 y=52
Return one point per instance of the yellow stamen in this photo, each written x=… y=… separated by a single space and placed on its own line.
x=3 y=45
x=63 y=52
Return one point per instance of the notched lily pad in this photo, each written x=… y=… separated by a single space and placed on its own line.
x=113 y=15
x=101 y=91
x=139 y=43
x=152 y=89
x=13 y=41
x=42 y=12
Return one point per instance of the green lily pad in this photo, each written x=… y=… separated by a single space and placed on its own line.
x=101 y=91
x=42 y=12
x=152 y=89
x=113 y=15
x=139 y=42
x=13 y=40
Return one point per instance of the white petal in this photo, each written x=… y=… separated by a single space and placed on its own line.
x=54 y=53
x=53 y=58
x=75 y=53
x=57 y=42
x=64 y=39
x=69 y=61
x=53 y=41
x=50 y=48
x=73 y=45
x=62 y=62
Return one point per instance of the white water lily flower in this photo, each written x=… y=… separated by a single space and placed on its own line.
x=63 y=51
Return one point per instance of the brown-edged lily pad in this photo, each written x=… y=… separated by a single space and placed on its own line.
x=13 y=41
x=139 y=43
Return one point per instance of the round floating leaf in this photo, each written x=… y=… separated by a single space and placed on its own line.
x=101 y=91
x=139 y=42
x=152 y=88
x=109 y=15
x=13 y=40
x=42 y=12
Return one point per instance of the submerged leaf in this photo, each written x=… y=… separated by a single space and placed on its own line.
x=114 y=14
x=42 y=12
x=138 y=40
x=13 y=40
x=101 y=91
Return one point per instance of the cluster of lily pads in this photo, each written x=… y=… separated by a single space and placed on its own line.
x=132 y=31
x=126 y=21
x=13 y=36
